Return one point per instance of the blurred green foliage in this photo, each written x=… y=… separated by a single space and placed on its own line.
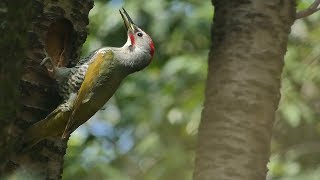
x=296 y=146
x=148 y=129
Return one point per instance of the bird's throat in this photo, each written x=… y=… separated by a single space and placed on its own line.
x=132 y=39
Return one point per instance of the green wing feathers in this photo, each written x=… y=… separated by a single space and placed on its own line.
x=93 y=75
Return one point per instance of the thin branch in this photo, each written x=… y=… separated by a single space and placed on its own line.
x=310 y=10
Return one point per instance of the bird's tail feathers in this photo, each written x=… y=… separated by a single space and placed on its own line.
x=52 y=126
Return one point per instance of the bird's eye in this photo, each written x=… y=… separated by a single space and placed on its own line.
x=139 y=34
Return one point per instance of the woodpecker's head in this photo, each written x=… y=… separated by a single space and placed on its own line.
x=139 y=43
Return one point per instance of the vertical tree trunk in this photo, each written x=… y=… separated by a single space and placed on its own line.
x=12 y=43
x=28 y=94
x=243 y=88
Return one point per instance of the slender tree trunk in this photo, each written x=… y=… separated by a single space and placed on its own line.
x=28 y=94
x=243 y=88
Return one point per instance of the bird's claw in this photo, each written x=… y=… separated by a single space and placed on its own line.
x=47 y=57
x=48 y=63
x=45 y=60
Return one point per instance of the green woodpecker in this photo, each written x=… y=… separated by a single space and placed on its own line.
x=91 y=83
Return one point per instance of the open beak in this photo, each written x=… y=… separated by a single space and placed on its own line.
x=127 y=20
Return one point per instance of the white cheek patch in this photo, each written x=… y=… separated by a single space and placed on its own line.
x=128 y=43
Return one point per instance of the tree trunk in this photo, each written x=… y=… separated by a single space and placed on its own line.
x=249 y=40
x=28 y=94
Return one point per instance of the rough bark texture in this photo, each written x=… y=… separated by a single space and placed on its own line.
x=12 y=43
x=243 y=88
x=59 y=26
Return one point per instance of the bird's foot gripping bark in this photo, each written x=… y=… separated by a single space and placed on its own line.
x=58 y=73
x=48 y=63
